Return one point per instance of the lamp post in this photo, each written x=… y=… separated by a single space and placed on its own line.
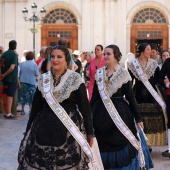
x=33 y=19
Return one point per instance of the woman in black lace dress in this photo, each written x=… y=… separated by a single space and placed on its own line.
x=151 y=112
x=116 y=150
x=47 y=144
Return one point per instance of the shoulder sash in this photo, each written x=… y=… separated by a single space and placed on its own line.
x=147 y=84
x=65 y=119
x=116 y=117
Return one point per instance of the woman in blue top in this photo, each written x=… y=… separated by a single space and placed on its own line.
x=28 y=73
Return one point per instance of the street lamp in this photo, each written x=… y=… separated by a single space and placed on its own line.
x=34 y=19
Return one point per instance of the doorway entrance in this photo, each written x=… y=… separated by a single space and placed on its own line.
x=149 y=25
x=51 y=35
x=58 y=23
x=157 y=34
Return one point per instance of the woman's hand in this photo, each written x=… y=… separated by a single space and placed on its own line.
x=140 y=124
x=90 y=141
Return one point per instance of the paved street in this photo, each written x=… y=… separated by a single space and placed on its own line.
x=11 y=133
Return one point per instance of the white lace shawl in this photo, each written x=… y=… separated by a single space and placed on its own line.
x=120 y=77
x=149 y=69
x=69 y=82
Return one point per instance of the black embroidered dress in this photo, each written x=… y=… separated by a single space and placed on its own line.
x=47 y=144
x=116 y=151
x=151 y=112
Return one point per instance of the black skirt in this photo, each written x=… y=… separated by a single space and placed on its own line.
x=48 y=145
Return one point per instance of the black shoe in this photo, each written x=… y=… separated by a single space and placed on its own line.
x=9 y=117
x=166 y=154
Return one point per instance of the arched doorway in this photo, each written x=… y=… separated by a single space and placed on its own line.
x=59 y=23
x=149 y=25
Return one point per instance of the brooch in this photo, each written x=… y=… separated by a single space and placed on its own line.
x=46 y=80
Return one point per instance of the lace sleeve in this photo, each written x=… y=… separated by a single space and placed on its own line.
x=132 y=71
x=40 y=83
x=84 y=108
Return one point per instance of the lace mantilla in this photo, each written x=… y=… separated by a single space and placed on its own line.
x=70 y=82
x=120 y=77
x=149 y=70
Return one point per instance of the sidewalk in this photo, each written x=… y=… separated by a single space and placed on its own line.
x=11 y=133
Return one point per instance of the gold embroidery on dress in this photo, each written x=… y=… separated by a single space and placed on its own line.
x=107 y=83
x=121 y=76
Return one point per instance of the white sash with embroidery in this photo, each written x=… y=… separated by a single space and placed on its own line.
x=69 y=124
x=116 y=117
x=143 y=78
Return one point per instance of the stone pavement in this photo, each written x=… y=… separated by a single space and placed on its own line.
x=11 y=133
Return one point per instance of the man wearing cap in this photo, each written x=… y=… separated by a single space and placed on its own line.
x=76 y=54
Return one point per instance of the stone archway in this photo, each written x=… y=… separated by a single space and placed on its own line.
x=60 y=21
x=149 y=25
x=148 y=22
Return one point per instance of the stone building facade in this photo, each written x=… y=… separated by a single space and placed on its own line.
x=86 y=23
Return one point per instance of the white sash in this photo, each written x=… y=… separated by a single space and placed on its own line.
x=143 y=78
x=68 y=123
x=116 y=117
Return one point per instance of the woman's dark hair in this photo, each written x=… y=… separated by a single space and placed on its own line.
x=30 y=55
x=163 y=52
x=141 y=48
x=12 y=45
x=64 y=50
x=99 y=45
x=116 y=51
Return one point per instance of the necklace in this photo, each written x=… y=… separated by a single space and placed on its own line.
x=108 y=82
x=57 y=80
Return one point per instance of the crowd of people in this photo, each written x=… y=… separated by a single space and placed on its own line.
x=86 y=110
